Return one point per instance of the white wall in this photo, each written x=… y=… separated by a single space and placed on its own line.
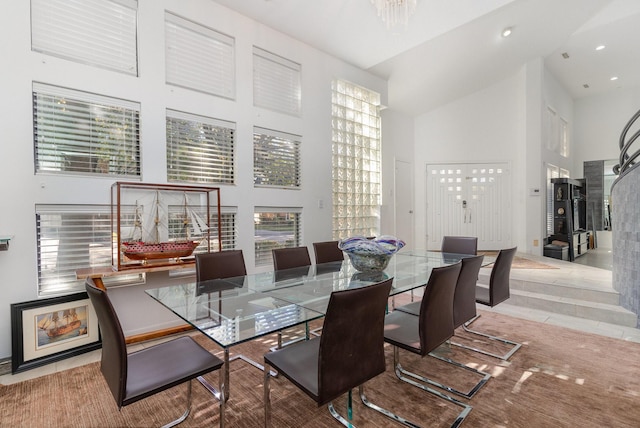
x=21 y=190
x=599 y=121
x=482 y=127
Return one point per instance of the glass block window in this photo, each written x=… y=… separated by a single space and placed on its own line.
x=356 y=160
x=70 y=237
x=198 y=57
x=276 y=159
x=200 y=149
x=275 y=228
x=83 y=133
x=276 y=83
x=94 y=32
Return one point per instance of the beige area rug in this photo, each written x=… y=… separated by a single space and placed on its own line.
x=559 y=378
x=519 y=262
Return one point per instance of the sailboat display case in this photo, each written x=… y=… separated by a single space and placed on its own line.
x=162 y=224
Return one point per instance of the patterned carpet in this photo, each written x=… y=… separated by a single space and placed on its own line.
x=559 y=378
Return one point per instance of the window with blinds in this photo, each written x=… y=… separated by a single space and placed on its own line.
x=356 y=147
x=199 y=58
x=228 y=228
x=276 y=159
x=200 y=149
x=70 y=237
x=275 y=228
x=94 y=32
x=83 y=133
x=276 y=83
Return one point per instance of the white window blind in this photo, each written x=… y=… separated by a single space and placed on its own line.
x=356 y=147
x=94 y=32
x=89 y=134
x=276 y=83
x=199 y=58
x=200 y=149
x=275 y=228
x=70 y=237
x=276 y=159
x=228 y=227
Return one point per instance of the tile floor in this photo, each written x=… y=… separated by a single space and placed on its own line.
x=592 y=270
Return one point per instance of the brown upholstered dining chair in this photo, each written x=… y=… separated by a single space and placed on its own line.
x=138 y=375
x=292 y=257
x=349 y=353
x=327 y=251
x=464 y=309
x=460 y=245
x=424 y=333
x=497 y=292
x=222 y=264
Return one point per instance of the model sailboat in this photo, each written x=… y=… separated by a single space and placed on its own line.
x=150 y=244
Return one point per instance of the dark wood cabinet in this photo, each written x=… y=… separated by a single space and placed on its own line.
x=569 y=215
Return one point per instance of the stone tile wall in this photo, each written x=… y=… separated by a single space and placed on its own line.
x=625 y=218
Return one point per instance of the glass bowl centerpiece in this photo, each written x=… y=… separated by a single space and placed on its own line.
x=370 y=255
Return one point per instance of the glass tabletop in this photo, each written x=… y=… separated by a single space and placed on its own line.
x=230 y=319
x=233 y=310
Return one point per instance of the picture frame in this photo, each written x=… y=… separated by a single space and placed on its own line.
x=48 y=330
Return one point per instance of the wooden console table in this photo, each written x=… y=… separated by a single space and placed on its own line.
x=97 y=274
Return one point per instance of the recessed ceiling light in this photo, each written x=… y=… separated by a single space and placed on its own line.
x=599 y=48
x=507 y=32
x=614 y=78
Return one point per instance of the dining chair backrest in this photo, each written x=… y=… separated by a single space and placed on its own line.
x=327 y=251
x=464 y=301
x=113 y=364
x=499 y=280
x=222 y=264
x=292 y=257
x=460 y=245
x=352 y=341
x=435 y=323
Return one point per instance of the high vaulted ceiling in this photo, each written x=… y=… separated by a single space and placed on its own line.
x=452 y=48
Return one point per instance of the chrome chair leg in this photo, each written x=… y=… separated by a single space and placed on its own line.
x=217 y=393
x=186 y=412
x=385 y=412
x=514 y=345
x=337 y=416
x=466 y=409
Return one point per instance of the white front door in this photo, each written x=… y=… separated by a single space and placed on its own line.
x=469 y=200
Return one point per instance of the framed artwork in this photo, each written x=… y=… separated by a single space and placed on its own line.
x=48 y=330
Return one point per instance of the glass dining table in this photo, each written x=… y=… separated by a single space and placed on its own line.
x=232 y=311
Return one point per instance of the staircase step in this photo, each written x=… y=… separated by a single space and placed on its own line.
x=609 y=313
x=604 y=296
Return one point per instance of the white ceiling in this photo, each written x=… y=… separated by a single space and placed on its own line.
x=453 y=47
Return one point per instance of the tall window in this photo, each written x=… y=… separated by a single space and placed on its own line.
x=79 y=132
x=199 y=58
x=200 y=149
x=556 y=132
x=552 y=172
x=276 y=159
x=276 y=83
x=229 y=231
x=96 y=32
x=356 y=160
x=275 y=228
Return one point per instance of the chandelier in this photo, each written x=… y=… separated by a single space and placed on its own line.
x=394 y=11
